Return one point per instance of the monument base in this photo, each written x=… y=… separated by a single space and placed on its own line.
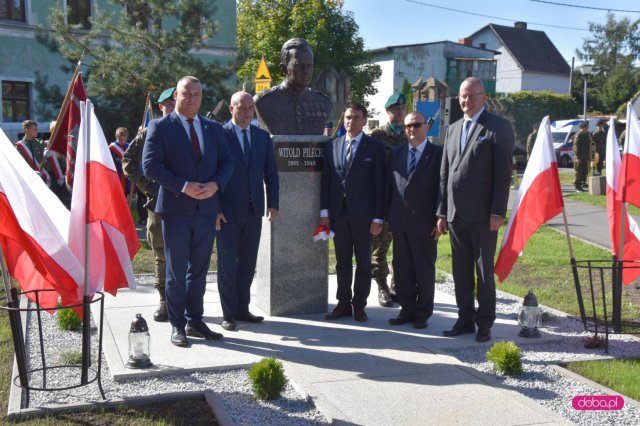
x=597 y=185
x=292 y=270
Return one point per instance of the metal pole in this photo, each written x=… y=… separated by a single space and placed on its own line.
x=584 y=116
x=86 y=313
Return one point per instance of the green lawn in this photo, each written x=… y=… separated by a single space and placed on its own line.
x=621 y=375
x=597 y=200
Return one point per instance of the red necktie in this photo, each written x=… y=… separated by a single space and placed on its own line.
x=194 y=140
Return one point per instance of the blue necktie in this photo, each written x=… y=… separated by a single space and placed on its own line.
x=246 y=146
x=412 y=162
x=465 y=134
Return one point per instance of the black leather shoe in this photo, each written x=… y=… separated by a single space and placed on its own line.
x=228 y=322
x=201 y=330
x=248 y=317
x=384 y=299
x=483 y=335
x=399 y=320
x=360 y=315
x=179 y=338
x=420 y=324
x=457 y=330
x=160 y=314
x=338 y=312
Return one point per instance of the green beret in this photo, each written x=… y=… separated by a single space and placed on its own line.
x=395 y=99
x=166 y=95
x=584 y=124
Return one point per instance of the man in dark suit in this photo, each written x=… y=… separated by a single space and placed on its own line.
x=474 y=177
x=413 y=195
x=352 y=203
x=188 y=155
x=240 y=223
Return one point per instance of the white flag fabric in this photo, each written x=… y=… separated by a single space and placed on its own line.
x=629 y=182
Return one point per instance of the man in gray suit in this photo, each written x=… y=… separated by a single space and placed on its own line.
x=474 y=178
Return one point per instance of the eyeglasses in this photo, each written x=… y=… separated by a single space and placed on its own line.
x=471 y=95
x=414 y=125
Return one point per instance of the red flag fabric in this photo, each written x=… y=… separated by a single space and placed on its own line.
x=33 y=231
x=538 y=200
x=616 y=209
x=98 y=201
x=629 y=184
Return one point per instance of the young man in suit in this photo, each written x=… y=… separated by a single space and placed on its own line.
x=413 y=195
x=188 y=155
x=352 y=204
x=475 y=176
x=240 y=223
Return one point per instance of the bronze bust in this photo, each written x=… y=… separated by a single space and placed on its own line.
x=292 y=108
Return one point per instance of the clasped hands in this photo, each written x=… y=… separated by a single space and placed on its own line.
x=201 y=191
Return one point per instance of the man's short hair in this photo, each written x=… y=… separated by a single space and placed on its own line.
x=357 y=107
x=27 y=124
x=187 y=79
x=289 y=45
x=122 y=131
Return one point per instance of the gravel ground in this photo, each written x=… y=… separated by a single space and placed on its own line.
x=539 y=382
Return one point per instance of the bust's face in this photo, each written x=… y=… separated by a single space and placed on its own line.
x=299 y=68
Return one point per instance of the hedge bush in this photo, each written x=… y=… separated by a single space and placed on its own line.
x=267 y=378
x=506 y=358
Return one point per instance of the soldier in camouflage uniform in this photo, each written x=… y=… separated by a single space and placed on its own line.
x=582 y=146
x=392 y=134
x=531 y=140
x=131 y=164
x=600 y=140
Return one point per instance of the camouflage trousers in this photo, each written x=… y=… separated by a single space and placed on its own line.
x=154 y=236
x=582 y=171
x=379 y=249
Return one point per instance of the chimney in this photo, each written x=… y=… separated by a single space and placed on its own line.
x=521 y=25
x=466 y=41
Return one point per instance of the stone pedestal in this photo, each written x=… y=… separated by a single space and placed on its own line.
x=597 y=185
x=292 y=270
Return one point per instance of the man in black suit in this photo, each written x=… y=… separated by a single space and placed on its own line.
x=239 y=225
x=413 y=194
x=474 y=177
x=188 y=155
x=352 y=202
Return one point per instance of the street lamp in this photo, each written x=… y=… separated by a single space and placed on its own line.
x=586 y=71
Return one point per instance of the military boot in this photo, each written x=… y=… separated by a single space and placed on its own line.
x=384 y=297
x=161 y=314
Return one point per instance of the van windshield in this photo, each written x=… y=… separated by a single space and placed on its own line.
x=559 y=137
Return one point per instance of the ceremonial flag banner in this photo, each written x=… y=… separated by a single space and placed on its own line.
x=538 y=200
x=33 y=228
x=99 y=203
x=148 y=113
x=629 y=184
x=616 y=209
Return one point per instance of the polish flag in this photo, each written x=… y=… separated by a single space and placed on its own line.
x=33 y=229
x=538 y=200
x=98 y=202
x=615 y=209
x=629 y=183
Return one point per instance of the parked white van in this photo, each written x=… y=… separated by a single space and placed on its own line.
x=562 y=132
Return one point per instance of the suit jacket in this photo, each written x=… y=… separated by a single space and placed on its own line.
x=248 y=179
x=168 y=159
x=413 y=203
x=364 y=182
x=475 y=182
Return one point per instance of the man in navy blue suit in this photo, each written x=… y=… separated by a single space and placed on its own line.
x=352 y=202
x=188 y=155
x=240 y=223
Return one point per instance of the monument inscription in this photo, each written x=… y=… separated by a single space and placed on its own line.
x=299 y=156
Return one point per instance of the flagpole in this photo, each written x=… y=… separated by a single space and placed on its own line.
x=335 y=130
x=147 y=106
x=86 y=320
x=574 y=266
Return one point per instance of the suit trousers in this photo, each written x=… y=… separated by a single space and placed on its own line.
x=188 y=244
x=352 y=235
x=238 y=242
x=154 y=237
x=473 y=246
x=414 y=260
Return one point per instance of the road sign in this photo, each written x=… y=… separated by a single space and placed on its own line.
x=263 y=75
x=260 y=87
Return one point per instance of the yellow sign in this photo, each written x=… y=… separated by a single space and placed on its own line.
x=263 y=75
x=260 y=87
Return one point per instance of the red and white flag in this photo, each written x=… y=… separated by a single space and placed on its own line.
x=98 y=201
x=33 y=232
x=628 y=189
x=538 y=200
x=616 y=209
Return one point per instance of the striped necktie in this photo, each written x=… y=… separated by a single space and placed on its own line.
x=412 y=162
x=348 y=157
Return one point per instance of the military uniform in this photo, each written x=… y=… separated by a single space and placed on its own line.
x=583 y=148
x=600 y=140
x=531 y=140
x=284 y=111
x=131 y=165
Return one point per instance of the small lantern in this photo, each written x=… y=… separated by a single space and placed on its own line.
x=530 y=317
x=139 y=344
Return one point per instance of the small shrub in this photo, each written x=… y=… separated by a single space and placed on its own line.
x=267 y=378
x=70 y=356
x=594 y=342
x=506 y=358
x=68 y=319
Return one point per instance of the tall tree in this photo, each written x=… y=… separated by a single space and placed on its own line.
x=264 y=25
x=145 y=47
x=613 y=48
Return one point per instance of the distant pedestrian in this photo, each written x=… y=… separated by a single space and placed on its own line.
x=600 y=140
x=582 y=143
x=117 y=148
x=531 y=139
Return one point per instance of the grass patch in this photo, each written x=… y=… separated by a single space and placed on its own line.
x=597 y=200
x=621 y=375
